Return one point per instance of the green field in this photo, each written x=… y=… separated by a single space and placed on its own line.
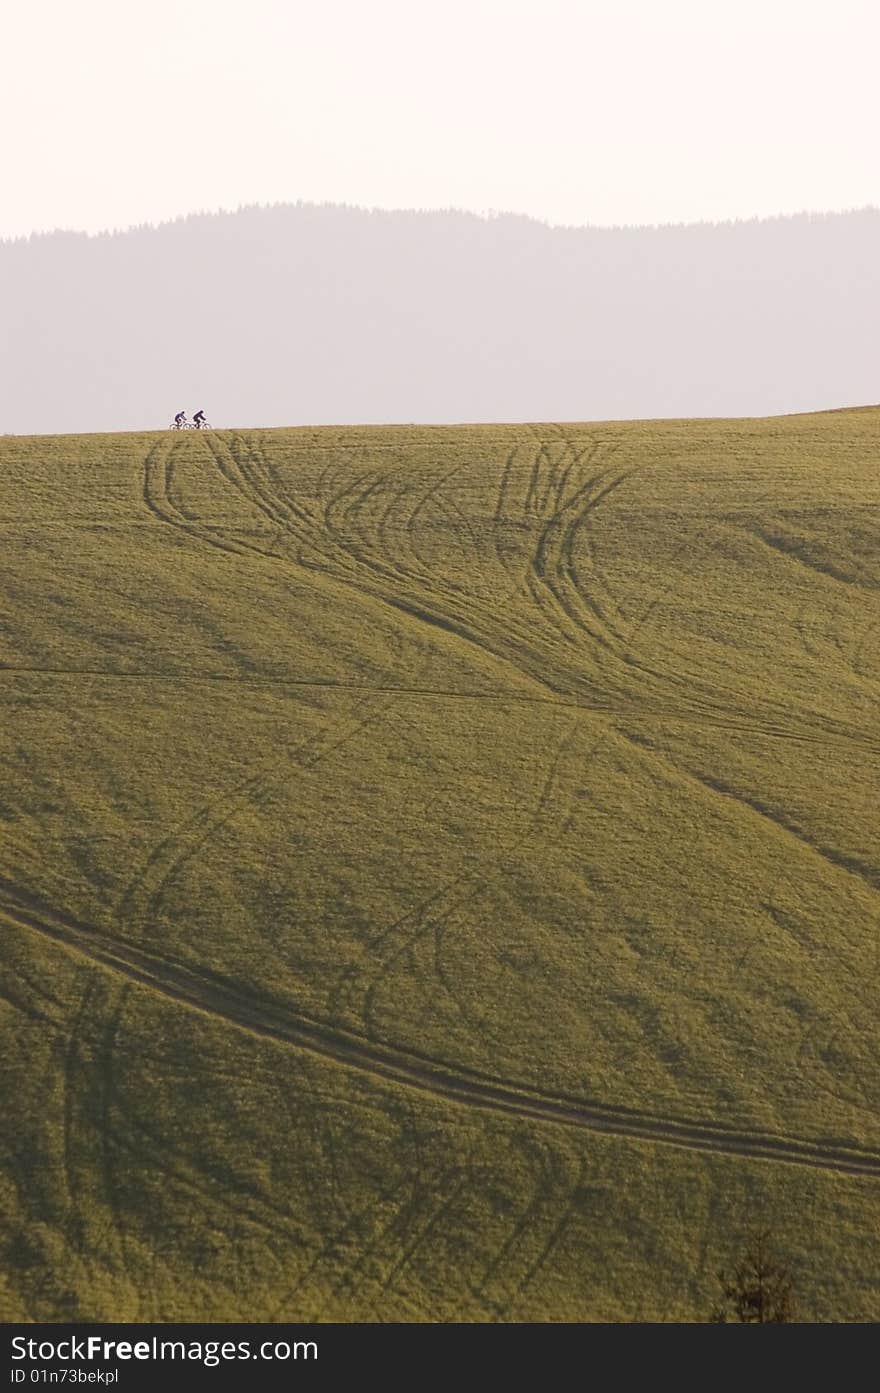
x=439 y=870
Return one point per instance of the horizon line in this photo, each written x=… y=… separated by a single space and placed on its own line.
x=485 y=215
x=454 y=425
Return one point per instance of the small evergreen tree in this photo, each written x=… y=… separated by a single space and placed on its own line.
x=760 y=1291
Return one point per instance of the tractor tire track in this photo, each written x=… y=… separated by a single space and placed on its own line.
x=158 y=465
x=863 y=871
x=507 y=641
x=553 y=562
x=445 y=1196
x=352 y=563
x=539 y=1231
x=612 y=708
x=355 y=562
x=105 y=1063
x=798 y=553
x=71 y=1063
x=358 y=987
x=515 y=1263
x=223 y=999
x=157 y=490
x=140 y=901
x=515 y=647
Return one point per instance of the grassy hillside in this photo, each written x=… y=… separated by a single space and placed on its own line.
x=439 y=869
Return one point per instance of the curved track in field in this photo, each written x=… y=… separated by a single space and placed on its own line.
x=344 y=543
x=359 y=984
x=141 y=898
x=224 y=1000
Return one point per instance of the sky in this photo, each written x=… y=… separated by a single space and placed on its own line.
x=571 y=111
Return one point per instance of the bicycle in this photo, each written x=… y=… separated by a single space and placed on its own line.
x=182 y=425
x=201 y=425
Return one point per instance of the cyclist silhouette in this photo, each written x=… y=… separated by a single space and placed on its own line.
x=199 y=419
x=180 y=418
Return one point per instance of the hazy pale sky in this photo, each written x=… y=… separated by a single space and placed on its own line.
x=574 y=111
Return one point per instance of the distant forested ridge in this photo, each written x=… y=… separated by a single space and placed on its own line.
x=303 y=314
